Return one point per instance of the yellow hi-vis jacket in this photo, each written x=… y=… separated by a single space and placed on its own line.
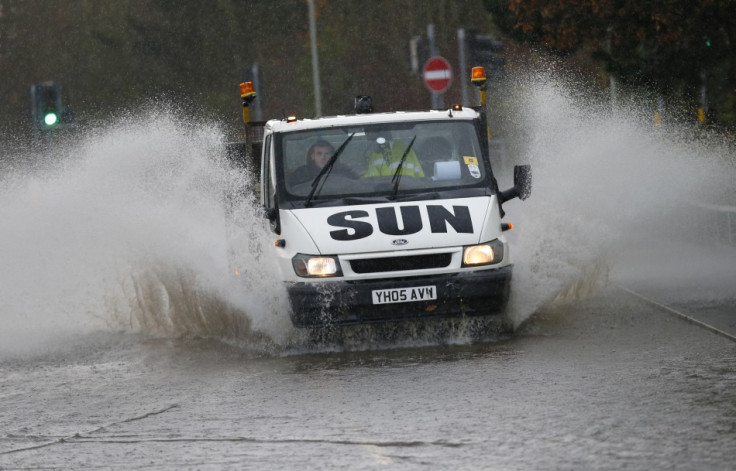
x=387 y=161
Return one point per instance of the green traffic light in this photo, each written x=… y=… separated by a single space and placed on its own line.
x=708 y=42
x=50 y=119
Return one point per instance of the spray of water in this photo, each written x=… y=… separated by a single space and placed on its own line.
x=605 y=177
x=128 y=229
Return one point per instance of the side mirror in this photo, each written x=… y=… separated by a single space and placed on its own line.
x=272 y=214
x=522 y=184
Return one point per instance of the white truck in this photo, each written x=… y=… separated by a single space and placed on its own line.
x=402 y=220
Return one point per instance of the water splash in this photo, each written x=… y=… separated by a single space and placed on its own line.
x=604 y=177
x=125 y=229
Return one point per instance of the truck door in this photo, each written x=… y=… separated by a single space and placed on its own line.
x=268 y=187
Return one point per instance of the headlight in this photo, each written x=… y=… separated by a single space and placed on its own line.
x=316 y=266
x=483 y=254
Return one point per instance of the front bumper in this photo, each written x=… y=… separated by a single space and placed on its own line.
x=472 y=293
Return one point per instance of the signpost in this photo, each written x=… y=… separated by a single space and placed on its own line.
x=437 y=74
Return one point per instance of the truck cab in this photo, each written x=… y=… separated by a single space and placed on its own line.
x=398 y=217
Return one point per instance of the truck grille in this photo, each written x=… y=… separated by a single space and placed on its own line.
x=412 y=262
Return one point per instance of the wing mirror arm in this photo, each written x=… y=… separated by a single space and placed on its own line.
x=522 y=184
x=272 y=214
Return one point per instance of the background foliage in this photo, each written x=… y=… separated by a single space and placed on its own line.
x=112 y=56
x=672 y=47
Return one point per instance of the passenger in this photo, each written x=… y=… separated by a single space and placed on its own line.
x=386 y=160
x=317 y=157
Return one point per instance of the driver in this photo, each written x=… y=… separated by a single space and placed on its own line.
x=318 y=155
x=386 y=160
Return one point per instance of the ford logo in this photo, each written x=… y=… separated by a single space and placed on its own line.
x=399 y=242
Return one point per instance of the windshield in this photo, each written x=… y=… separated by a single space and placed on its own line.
x=427 y=156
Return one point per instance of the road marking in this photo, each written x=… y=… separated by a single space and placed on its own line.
x=679 y=314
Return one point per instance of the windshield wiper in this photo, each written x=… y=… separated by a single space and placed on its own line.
x=325 y=170
x=397 y=175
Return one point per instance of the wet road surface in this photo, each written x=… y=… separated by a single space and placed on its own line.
x=609 y=382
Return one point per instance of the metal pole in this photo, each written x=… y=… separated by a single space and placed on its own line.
x=257 y=111
x=703 y=110
x=463 y=66
x=430 y=40
x=436 y=97
x=611 y=79
x=315 y=60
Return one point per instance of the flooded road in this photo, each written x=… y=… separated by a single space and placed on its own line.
x=605 y=383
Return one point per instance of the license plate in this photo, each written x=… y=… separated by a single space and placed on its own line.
x=404 y=295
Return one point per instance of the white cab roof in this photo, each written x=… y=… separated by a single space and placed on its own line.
x=280 y=125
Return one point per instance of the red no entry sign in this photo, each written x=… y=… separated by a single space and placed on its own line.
x=437 y=74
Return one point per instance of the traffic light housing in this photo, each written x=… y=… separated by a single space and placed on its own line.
x=46 y=106
x=486 y=51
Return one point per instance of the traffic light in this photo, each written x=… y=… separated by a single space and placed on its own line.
x=46 y=107
x=487 y=52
